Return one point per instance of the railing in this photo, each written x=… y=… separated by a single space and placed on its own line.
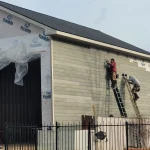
x=21 y=137
x=120 y=135
x=138 y=135
x=49 y=137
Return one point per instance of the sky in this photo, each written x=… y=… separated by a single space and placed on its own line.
x=127 y=20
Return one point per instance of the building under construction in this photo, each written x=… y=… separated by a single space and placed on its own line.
x=53 y=70
x=69 y=71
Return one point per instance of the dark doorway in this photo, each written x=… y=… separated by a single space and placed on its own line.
x=20 y=104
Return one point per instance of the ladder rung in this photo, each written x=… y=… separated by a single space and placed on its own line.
x=118 y=97
x=120 y=101
x=121 y=107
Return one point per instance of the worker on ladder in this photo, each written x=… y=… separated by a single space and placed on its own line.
x=113 y=71
x=136 y=86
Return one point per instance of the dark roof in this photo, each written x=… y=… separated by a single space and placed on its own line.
x=71 y=28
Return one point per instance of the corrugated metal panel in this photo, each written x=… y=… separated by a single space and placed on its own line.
x=21 y=104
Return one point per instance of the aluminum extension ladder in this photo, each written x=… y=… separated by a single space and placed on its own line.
x=136 y=110
x=134 y=104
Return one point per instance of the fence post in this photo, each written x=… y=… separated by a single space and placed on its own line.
x=36 y=137
x=6 y=143
x=89 y=136
x=56 y=136
x=127 y=136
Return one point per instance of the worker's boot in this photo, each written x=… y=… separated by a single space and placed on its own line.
x=136 y=97
x=112 y=83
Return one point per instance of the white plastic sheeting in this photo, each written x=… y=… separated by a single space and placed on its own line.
x=141 y=64
x=21 y=50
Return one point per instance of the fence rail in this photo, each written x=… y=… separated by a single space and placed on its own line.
x=104 y=136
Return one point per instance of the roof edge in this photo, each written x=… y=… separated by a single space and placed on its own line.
x=49 y=31
x=93 y=42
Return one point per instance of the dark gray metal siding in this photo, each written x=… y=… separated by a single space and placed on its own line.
x=20 y=104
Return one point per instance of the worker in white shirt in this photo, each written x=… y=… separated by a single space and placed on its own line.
x=136 y=86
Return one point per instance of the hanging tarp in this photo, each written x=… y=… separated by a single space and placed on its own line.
x=20 y=50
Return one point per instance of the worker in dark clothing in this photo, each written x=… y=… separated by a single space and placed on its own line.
x=113 y=71
x=136 y=86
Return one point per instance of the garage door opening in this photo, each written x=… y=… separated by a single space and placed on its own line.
x=20 y=104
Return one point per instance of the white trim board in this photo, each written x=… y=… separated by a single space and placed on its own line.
x=112 y=47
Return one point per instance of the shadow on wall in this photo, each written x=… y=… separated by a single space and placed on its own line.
x=122 y=89
x=107 y=76
x=108 y=88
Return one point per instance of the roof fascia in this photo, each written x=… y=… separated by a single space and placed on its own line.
x=49 y=31
x=101 y=44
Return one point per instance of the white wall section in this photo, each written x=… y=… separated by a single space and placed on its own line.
x=142 y=64
x=22 y=41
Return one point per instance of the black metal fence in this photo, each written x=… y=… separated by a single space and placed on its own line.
x=138 y=135
x=49 y=137
x=105 y=136
x=21 y=137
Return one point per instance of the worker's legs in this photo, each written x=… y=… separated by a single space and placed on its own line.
x=113 y=79
x=136 y=97
x=135 y=89
x=133 y=92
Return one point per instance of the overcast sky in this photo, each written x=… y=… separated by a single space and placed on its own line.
x=128 y=20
